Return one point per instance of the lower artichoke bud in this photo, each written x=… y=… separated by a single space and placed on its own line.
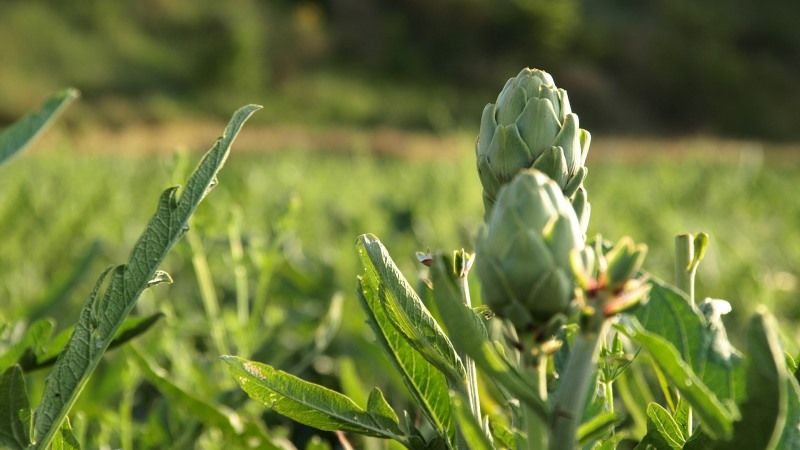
x=523 y=251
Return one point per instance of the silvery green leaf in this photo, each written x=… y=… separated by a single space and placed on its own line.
x=405 y=309
x=427 y=385
x=106 y=309
x=309 y=403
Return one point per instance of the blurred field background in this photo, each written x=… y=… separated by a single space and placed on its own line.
x=371 y=111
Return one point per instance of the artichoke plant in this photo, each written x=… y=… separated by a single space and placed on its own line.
x=523 y=251
x=531 y=125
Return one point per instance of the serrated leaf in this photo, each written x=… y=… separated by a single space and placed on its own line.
x=470 y=337
x=305 y=402
x=15 y=410
x=405 y=309
x=102 y=315
x=426 y=383
x=469 y=428
x=21 y=133
x=715 y=418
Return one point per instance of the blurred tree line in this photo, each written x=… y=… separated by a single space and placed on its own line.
x=726 y=67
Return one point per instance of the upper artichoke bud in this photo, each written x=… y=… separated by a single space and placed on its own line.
x=523 y=251
x=530 y=125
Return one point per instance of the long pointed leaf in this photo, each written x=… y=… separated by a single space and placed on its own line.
x=311 y=404
x=21 y=133
x=103 y=314
x=426 y=383
x=405 y=309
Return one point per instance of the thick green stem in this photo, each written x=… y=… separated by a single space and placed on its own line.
x=608 y=393
x=571 y=400
x=685 y=272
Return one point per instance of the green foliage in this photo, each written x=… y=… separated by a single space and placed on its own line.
x=263 y=292
x=105 y=311
x=312 y=404
x=717 y=420
x=405 y=310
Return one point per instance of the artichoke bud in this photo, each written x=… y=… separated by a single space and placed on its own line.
x=530 y=125
x=523 y=251
x=624 y=261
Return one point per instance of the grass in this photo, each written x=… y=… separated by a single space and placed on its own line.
x=66 y=215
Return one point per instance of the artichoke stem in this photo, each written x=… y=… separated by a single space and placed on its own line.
x=684 y=278
x=571 y=401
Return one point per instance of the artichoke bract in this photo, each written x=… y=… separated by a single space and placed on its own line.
x=530 y=125
x=523 y=251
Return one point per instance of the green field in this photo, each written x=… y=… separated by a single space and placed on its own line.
x=66 y=215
